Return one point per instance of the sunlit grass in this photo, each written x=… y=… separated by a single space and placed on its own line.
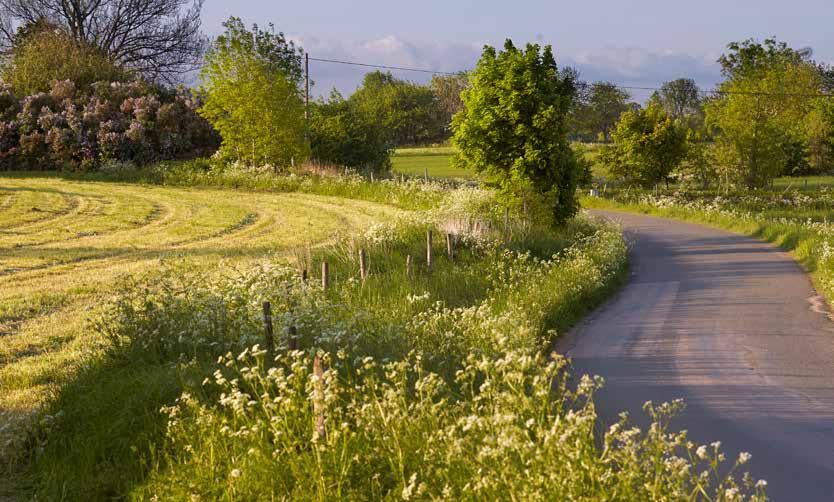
x=64 y=244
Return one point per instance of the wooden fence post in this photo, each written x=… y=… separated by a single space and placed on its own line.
x=426 y=174
x=325 y=275
x=372 y=176
x=363 y=264
x=428 y=249
x=304 y=276
x=450 y=250
x=270 y=342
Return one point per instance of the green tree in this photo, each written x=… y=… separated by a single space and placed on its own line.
x=819 y=134
x=597 y=110
x=252 y=98
x=341 y=134
x=43 y=53
x=759 y=120
x=751 y=57
x=447 y=101
x=647 y=146
x=406 y=110
x=681 y=99
x=514 y=126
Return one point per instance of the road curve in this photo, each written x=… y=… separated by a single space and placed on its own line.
x=731 y=325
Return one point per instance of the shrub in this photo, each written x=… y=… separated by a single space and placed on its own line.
x=68 y=128
x=647 y=146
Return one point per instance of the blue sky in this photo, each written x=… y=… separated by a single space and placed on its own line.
x=641 y=43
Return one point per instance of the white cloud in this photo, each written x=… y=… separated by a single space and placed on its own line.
x=627 y=66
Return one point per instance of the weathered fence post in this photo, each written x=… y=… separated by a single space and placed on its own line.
x=304 y=276
x=450 y=250
x=426 y=174
x=325 y=275
x=372 y=176
x=428 y=249
x=363 y=264
x=408 y=266
x=270 y=342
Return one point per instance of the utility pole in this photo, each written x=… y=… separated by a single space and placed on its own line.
x=307 y=96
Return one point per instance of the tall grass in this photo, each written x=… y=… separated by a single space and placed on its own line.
x=434 y=384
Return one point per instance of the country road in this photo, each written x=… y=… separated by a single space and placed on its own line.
x=729 y=324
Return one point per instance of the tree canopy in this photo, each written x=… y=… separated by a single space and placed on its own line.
x=514 y=126
x=252 y=98
x=646 y=146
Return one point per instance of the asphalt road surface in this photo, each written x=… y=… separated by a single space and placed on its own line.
x=734 y=327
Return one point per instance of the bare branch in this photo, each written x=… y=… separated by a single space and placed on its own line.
x=160 y=39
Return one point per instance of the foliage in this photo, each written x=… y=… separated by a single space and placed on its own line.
x=70 y=128
x=252 y=99
x=159 y=39
x=344 y=134
x=647 y=146
x=274 y=49
x=597 y=110
x=759 y=120
x=447 y=101
x=750 y=57
x=819 y=134
x=514 y=127
x=405 y=111
x=48 y=54
x=698 y=166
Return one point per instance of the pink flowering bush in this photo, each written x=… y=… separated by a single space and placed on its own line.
x=127 y=122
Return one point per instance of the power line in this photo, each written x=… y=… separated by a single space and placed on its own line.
x=384 y=67
x=619 y=86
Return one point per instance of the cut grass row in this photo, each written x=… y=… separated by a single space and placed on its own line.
x=64 y=244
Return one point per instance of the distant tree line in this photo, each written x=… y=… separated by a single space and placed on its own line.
x=772 y=116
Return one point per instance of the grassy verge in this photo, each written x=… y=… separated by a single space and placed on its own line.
x=794 y=221
x=421 y=383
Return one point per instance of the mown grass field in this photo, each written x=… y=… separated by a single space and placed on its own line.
x=64 y=244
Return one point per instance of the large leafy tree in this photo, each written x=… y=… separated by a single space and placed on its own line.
x=252 y=97
x=647 y=146
x=160 y=39
x=760 y=118
x=514 y=126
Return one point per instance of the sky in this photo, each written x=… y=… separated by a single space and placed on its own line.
x=629 y=42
